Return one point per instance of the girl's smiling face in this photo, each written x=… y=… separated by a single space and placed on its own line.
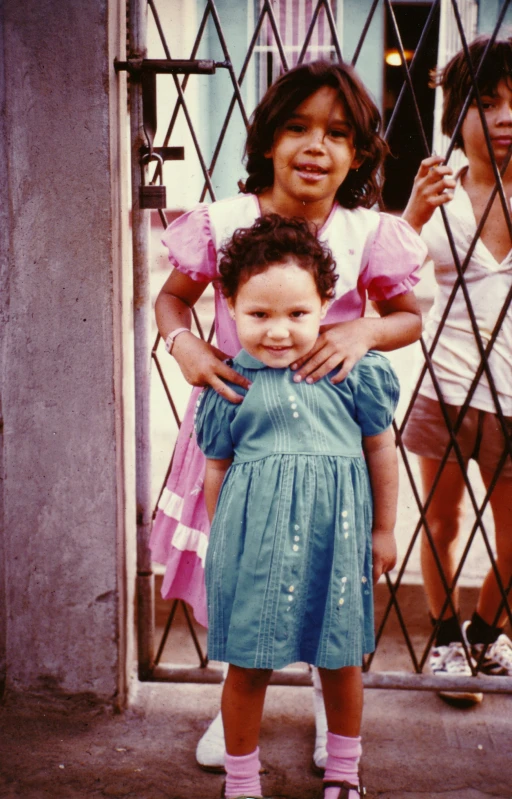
x=277 y=314
x=313 y=151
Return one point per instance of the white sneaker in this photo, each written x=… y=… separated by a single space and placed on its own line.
x=320 y=751
x=451 y=661
x=211 y=748
x=497 y=659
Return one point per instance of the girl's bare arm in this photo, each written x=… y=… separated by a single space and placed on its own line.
x=382 y=462
x=214 y=475
x=345 y=343
x=201 y=363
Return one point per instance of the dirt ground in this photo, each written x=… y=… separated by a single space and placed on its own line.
x=415 y=746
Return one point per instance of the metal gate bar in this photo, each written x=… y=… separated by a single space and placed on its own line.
x=396 y=680
x=149 y=665
x=145 y=589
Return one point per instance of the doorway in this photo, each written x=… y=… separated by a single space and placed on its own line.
x=405 y=138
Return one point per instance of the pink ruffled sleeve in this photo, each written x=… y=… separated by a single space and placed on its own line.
x=190 y=245
x=396 y=255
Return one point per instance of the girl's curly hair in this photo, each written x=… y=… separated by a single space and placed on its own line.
x=362 y=186
x=274 y=240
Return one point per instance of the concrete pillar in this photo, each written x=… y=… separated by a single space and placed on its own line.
x=64 y=272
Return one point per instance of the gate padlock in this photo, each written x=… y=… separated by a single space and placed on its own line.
x=152 y=196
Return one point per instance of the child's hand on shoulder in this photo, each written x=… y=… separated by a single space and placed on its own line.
x=384 y=552
x=433 y=186
x=203 y=365
x=342 y=344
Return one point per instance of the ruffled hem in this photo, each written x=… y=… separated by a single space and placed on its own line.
x=190 y=245
x=181 y=508
x=388 y=292
x=171 y=504
x=396 y=256
x=170 y=533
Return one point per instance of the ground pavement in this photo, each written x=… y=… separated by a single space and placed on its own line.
x=415 y=746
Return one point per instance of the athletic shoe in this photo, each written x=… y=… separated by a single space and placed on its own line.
x=320 y=751
x=211 y=748
x=451 y=661
x=497 y=658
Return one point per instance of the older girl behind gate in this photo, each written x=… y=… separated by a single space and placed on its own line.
x=456 y=358
x=313 y=151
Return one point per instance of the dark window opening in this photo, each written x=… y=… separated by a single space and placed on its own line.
x=405 y=139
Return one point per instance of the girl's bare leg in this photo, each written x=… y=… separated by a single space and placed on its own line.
x=210 y=749
x=343 y=697
x=491 y=598
x=242 y=703
x=444 y=517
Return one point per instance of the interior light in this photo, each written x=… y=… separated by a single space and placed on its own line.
x=394 y=59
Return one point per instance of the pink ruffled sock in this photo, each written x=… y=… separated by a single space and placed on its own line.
x=343 y=755
x=242 y=775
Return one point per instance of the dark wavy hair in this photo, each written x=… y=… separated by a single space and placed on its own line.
x=275 y=240
x=456 y=82
x=362 y=186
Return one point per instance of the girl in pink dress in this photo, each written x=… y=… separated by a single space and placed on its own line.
x=314 y=151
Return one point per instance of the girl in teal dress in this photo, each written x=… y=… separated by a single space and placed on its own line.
x=301 y=484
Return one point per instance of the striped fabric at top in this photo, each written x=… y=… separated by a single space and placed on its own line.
x=293 y=19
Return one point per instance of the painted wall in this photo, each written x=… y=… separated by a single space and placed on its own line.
x=371 y=58
x=63 y=535
x=238 y=28
x=488 y=13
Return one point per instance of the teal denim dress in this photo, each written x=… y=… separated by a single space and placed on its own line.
x=288 y=567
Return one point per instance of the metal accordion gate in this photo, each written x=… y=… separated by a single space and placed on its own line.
x=233 y=52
